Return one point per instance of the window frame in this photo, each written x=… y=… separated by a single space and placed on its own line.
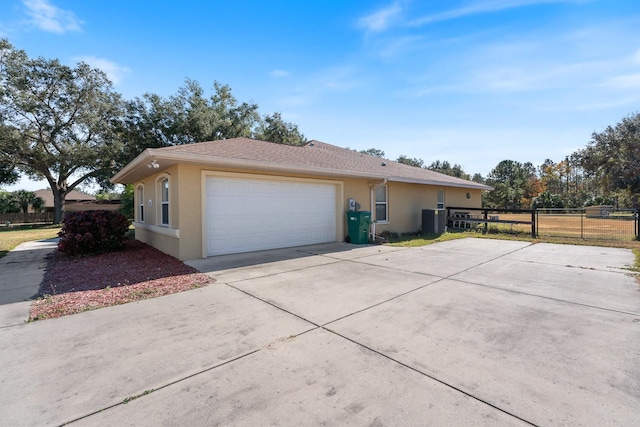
x=140 y=196
x=384 y=203
x=164 y=221
x=439 y=203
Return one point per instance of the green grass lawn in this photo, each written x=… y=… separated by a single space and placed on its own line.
x=412 y=240
x=10 y=237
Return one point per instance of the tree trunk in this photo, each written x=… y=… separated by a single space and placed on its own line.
x=58 y=204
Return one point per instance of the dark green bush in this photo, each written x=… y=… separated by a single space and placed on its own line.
x=89 y=232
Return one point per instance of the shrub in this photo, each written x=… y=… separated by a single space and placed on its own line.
x=89 y=232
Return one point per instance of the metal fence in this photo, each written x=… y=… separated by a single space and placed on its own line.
x=489 y=220
x=579 y=223
x=609 y=225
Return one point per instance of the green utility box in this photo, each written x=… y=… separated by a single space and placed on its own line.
x=358 y=224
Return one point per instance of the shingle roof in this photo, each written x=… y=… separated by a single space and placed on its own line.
x=314 y=157
x=47 y=195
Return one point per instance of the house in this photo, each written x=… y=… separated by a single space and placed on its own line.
x=598 y=211
x=77 y=201
x=241 y=195
x=72 y=199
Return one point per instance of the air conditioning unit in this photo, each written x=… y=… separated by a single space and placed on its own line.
x=434 y=221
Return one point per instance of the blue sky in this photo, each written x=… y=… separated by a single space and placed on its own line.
x=473 y=82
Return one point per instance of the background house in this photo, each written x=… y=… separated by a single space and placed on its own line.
x=241 y=195
x=77 y=201
x=73 y=198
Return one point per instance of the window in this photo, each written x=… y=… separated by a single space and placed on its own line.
x=440 y=199
x=140 y=197
x=381 y=204
x=164 y=205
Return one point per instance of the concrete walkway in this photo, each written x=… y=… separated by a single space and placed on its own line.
x=21 y=272
x=467 y=332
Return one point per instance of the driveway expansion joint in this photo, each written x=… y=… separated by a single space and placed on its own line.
x=13 y=325
x=328 y=255
x=388 y=267
x=169 y=384
x=444 y=383
x=272 y=304
x=612 y=310
x=228 y=282
x=356 y=260
x=381 y=302
x=609 y=269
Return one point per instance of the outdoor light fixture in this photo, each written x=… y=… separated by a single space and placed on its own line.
x=153 y=164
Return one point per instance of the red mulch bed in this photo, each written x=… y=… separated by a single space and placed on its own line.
x=138 y=271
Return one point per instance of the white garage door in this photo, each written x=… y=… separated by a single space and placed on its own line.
x=246 y=214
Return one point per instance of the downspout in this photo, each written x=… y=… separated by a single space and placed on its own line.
x=372 y=202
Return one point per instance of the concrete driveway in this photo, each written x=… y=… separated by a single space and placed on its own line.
x=21 y=272
x=466 y=332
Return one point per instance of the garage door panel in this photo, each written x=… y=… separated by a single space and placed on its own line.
x=245 y=214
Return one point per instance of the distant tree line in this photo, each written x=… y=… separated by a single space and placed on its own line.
x=437 y=166
x=606 y=171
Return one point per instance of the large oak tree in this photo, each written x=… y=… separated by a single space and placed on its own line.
x=189 y=116
x=57 y=122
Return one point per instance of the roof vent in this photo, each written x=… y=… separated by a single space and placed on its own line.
x=311 y=144
x=383 y=164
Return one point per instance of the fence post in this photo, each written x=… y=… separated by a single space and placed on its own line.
x=533 y=223
x=485 y=213
x=582 y=224
x=637 y=227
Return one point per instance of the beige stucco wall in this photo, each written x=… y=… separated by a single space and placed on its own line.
x=150 y=231
x=357 y=189
x=183 y=238
x=406 y=202
x=167 y=244
x=190 y=202
x=457 y=197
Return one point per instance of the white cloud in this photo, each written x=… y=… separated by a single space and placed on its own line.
x=624 y=81
x=396 y=46
x=341 y=78
x=332 y=80
x=380 y=20
x=601 y=103
x=50 y=18
x=114 y=71
x=279 y=74
x=479 y=8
